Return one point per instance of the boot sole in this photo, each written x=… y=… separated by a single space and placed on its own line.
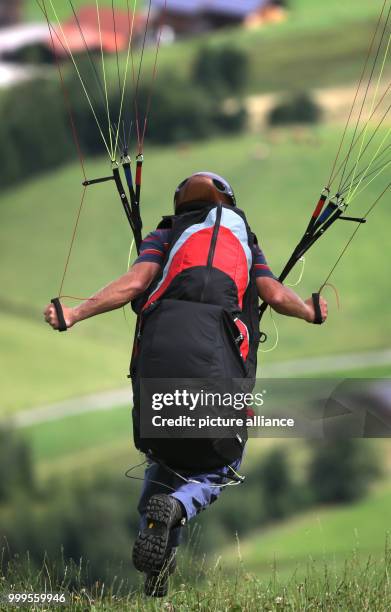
x=150 y=548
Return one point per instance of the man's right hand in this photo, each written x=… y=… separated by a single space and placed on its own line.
x=51 y=316
x=311 y=309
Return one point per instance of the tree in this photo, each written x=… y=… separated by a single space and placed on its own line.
x=342 y=470
x=221 y=71
x=36 y=124
x=300 y=108
x=16 y=469
x=276 y=484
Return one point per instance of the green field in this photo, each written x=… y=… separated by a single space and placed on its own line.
x=360 y=586
x=334 y=559
x=96 y=439
x=277 y=193
x=315 y=46
x=324 y=536
x=83 y=443
x=102 y=440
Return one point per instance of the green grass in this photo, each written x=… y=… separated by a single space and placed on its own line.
x=101 y=441
x=83 y=443
x=277 y=194
x=318 y=45
x=104 y=438
x=360 y=585
x=30 y=376
x=95 y=440
x=79 y=434
x=325 y=535
x=370 y=372
x=326 y=55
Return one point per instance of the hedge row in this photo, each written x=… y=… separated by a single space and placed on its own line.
x=35 y=132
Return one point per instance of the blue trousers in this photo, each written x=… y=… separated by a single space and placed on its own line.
x=196 y=492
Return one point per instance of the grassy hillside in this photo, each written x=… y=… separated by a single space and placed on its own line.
x=319 y=44
x=86 y=442
x=324 y=536
x=351 y=581
x=278 y=194
x=361 y=586
x=103 y=440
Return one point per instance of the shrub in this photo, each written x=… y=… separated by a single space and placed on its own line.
x=181 y=111
x=35 y=130
x=10 y=158
x=342 y=470
x=94 y=521
x=36 y=135
x=16 y=469
x=221 y=71
x=300 y=108
x=276 y=483
x=86 y=123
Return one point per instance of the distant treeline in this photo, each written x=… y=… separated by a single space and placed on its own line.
x=95 y=518
x=35 y=131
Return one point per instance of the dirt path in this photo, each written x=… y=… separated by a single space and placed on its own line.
x=122 y=397
x=336 y=103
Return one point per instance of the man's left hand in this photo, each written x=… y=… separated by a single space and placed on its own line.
x=324 y=309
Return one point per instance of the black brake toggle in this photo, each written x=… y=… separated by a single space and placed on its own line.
x=62 y=326
x=318 y=312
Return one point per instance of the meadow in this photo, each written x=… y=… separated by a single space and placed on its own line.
x=277 y=192
x=324 y=536
x=361 y=584
x=329 y=45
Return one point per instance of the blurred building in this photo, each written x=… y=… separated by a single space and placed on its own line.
x=189 y=17
x=10 y=12
x=25 y=46
x=15 y=38
x=15 y=42
x=113 y=31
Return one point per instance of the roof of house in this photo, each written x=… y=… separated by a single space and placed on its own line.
x=115 y=34
x=234 y=8
x=88 y=16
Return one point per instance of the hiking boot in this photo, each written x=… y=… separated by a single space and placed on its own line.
x=156 y=583
x=151 y=549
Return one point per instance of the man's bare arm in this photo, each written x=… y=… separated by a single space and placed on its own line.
x=286 y=302
x=116 y=295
